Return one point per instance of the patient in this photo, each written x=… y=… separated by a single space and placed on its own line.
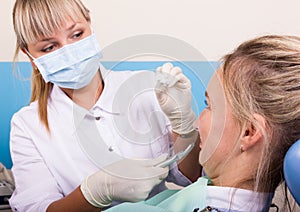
x=251 y=119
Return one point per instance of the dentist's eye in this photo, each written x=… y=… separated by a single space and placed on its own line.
x=48 y=48
x=77 y=35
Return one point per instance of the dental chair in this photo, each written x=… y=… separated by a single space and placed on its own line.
x=291 y=188
x=291 y=168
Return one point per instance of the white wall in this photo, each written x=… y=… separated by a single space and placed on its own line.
x=213 y=27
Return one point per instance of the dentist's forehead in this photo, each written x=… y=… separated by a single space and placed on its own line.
x=37 y=19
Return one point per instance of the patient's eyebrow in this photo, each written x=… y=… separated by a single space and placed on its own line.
x=206 y=95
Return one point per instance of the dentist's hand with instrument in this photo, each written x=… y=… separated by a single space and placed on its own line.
x=125 y=180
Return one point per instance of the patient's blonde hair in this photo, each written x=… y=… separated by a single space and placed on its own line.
x=33 y=19
x=262 y=76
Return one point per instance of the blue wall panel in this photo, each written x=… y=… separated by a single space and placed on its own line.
x=15 y=90
x=14 y=94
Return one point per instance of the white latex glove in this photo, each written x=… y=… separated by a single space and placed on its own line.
x=173 y=91
x=125 y=180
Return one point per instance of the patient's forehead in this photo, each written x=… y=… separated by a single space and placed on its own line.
x=215 y=90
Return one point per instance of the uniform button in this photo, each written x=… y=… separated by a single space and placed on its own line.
x=97 y=118
x=110 y=149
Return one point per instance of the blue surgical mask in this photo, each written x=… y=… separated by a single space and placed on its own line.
x=72 y=66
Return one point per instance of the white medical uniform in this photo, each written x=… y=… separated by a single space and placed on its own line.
x=48 y=167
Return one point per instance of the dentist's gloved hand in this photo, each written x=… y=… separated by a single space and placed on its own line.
x=125 y=180
x=173 y=91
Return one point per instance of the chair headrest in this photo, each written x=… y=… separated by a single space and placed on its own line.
x=291 y=168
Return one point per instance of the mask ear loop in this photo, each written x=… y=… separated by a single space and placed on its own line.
x=28 y=54
x=35 y=68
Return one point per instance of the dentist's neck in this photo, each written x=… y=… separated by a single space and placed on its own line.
x=87 y=96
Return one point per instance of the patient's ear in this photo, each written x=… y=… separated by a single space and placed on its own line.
x=252 y=133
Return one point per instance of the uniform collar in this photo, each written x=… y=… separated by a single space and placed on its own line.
x=105 y=101
x=74 y=113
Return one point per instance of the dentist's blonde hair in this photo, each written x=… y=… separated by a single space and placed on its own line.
x=262 y=76
x=33 y=19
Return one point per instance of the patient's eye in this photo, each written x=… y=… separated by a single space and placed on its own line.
x=207 y=106
x=205 y=102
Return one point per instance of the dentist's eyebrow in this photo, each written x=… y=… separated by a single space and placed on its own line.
x=72 y=26
x=68 y=29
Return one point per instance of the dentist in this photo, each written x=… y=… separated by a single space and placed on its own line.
x=67 y=152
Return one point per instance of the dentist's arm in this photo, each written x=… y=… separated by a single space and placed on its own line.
x=173 y=92
x=74 y=202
